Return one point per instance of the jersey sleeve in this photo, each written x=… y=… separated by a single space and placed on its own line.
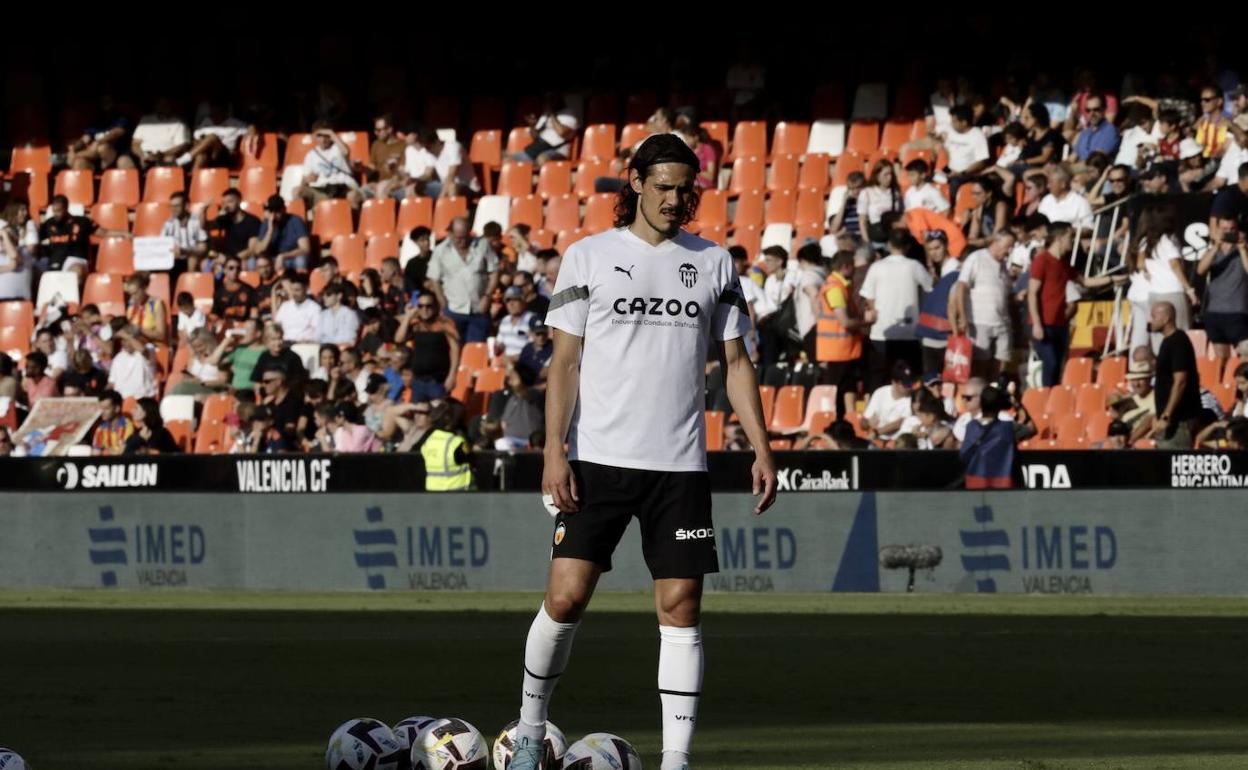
x=569 y=302
x=731 y=318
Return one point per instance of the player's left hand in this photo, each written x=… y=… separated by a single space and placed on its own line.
x=763 y=473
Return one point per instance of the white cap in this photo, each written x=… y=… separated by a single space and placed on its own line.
x=1190 y=148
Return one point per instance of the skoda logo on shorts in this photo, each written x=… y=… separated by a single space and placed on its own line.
x=688 y=275
x=559 y=532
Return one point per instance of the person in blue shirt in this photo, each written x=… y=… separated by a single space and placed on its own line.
x=1099 y=135
x=283 y=237
x=536 y=354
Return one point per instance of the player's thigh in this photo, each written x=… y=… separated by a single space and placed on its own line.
x=608 y=499
x=677 y=533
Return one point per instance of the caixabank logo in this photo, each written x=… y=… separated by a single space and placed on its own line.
x=418 y=557
x=145 y=555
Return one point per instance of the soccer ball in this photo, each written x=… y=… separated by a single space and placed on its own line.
x=408 y=731
x=9 y=760
x=505 y=744
x=363 y=744
x=601 y=751
x=450 y=744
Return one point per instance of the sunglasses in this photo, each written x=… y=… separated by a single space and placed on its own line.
x=970 y=398
x=425 y=307
x=1096 y=109
x=1117 y=180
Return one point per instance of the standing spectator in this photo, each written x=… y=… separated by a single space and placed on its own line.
x=131 y=373
x=37 y=384
x=150 y=436
x=933 y=326
x=984 y=283
x=231 y=233
x=160 y=137
x=465 y=274
x=232 y=299
x=1225 y=263
x=1156 y=253
x=535 y=303
x=338 y=324
x=298 y=315
x=435 y=345
x=1046 y=299
x=892 y=290
x=393 y=295
x=148 y=315
x=1098 y=134
x=889 y=405
x=1178 y=383
x=1063 y=204
x=327 y=170
x=114 y=427
x=773 y=325
x=988 y=453
x=922 y=193
x=513 y=328
x=283 y=402
x=282 y=236
x=190 y=242
x=880 y=197
x=810 y=279
x=416 y=271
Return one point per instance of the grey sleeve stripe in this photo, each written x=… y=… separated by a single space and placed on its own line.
x=570 y=294
x=730 y=297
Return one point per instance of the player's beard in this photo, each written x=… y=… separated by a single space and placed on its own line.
x=669 y=227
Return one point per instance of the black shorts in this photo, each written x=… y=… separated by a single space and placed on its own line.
x=1226 y=328
x=673 y=509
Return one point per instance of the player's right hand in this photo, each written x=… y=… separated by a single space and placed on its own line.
x=559 y=483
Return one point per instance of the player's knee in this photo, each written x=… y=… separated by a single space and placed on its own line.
x=682 y=610
x=566 y=606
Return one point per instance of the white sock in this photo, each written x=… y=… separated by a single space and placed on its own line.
x=680 y=686
x=545 y=657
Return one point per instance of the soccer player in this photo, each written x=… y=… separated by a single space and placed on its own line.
x=633 y=312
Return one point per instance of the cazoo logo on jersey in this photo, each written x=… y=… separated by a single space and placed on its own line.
x=119 y=476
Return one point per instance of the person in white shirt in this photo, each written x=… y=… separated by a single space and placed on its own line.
x=216 y=139
x=1156 y=254
x=889 y=405
x=190 y=242
x=972 y=410
x=984 y=284
x=327 y=171
x=190 y=318
x=338 y=324
x=1063 y=204
x=877 y=199
x=131 y=373
x=161 y=137
x=922 y=193
x=553 y=132
x=438 y=168
x=299 y=316
x=513 y=328
x=966 y=147
x=811 y=275
x=777 y=288
x=892 y=289
x=526 y=260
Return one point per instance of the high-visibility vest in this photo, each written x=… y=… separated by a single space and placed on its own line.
x=442 y=473
x=832 y=341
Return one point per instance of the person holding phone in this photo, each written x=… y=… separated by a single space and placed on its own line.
x=1224 y=265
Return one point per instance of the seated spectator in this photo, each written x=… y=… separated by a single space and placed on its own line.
x=160 y=137
x=534 y=302
x=65 y=239
x=328 y=363
x=1098 y=134
x=50 y=342
x=15 y=267
x=338 y=324
x=113 y=429
x=513 y=328
x=83 y=378
x=535 y=357
x=216 y=139
x=377 y=405
x=239 y=351
x=438 y=168
x=922 y=193
x=146 y=314
x=988 y=453
x=435 y=347
x=1196 y=171
x=988 y=215
x=413 y=423
x=526 y=259
x=36 y=384
x=393 y=296
x=1118 y=437
x=232 y=299
x=105 y=143
x=298 y=315
x=282 y=237
x=277 y=357
x=384 y=171
x=889 y=405
x=1240 y=409
x=202 y=376
x=354 y=371
x=522 y=414
x=231 y=233
x=350 y=434
x=1062 y=204
x=190 y=318
x=552 y=133
x=131 y=373
x=285 y=405
x=329 y=271
x=150 y=436
x=190 y=241
x=315 y=393
x=327 y=170
x=264 y=436
x=238 y=428
x=907 y=441
x=12 y=411
x=930 y=425
x=270 y=281
x=973 y=409
x=880 y=197
x=6 y=443
x=844 y=437
x=369 y=295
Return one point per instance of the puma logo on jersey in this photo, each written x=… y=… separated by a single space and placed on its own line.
x=628 y=272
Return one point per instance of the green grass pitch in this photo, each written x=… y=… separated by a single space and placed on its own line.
x=106 y=680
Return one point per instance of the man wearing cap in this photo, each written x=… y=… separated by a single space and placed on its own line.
x=635 y=312
x=1137 y=408
x=536 y=354
x=513 y=328
x=283 y=237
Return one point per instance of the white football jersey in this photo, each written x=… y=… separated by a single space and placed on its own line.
x=646 y=315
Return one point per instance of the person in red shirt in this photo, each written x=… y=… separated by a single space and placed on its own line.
x=1051 y=271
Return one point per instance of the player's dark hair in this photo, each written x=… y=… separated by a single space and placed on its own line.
x=660 y=148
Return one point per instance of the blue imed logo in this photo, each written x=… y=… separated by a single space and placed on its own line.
x=985 y=540
x=108 y=547
x=375 y=549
